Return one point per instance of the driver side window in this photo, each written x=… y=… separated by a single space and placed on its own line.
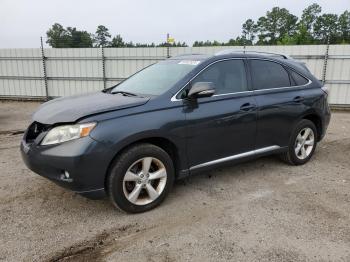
x=228 y=76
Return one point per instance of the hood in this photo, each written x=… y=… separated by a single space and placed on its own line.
x=70 y=109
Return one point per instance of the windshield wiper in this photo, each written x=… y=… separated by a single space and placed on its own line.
x=124 y=93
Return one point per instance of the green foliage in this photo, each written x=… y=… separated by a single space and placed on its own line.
x=102 y=37
x=277 y=27
x=59 y=37
x=309 y=16
x=239 y=41
x=326 y=26
x=344 y=27
x=249 y=29
x=281 y=27
x=117 y=41
x=178 y=44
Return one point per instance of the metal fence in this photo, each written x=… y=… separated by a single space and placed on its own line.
x=41 y=73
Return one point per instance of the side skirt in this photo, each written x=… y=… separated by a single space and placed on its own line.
x=246 y=155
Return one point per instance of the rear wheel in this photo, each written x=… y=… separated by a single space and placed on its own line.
x=302 y=143
x=140 y=178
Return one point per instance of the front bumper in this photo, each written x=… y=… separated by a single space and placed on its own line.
x=85 y=159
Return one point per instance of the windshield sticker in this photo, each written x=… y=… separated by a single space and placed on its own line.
x=189 y=62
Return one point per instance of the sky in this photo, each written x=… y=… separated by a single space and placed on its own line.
x=22 y=22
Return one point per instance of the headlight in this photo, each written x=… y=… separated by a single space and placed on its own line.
x=61 y=134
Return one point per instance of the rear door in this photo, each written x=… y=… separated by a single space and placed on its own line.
x=224 y=125
x=279 y=101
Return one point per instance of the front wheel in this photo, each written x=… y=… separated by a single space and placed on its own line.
x=302 y=143
x=140 y=178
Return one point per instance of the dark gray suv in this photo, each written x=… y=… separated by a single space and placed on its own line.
x=174 y=118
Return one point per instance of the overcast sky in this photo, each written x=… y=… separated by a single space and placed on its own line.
x=22 y=22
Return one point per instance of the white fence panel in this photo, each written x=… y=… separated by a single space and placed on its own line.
x=80 y=70
x=21 y=72
x=338 y=74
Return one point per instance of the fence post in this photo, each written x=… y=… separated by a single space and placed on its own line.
x=325 y=62
x=167 y=46
x=43 y=57
x=103 y=68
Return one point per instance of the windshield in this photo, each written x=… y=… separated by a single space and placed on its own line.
x=156 y=79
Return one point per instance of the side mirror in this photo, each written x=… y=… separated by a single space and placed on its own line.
x=201 y=89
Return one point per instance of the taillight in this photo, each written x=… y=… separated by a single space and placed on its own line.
x=325 y=89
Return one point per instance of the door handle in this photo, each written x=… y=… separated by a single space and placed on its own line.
x=298 y=99
x=247 y=107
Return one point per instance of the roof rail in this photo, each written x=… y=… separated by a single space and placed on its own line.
x=186 y=54
x=244 y=51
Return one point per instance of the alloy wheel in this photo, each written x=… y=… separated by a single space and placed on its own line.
x=304 y=143
x=144 y=181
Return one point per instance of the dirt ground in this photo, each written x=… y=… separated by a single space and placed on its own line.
x=262 y=210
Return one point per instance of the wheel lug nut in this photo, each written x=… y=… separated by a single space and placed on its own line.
x=139 y=181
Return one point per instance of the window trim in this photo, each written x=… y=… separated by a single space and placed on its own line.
x=278 y=88
x=292 y=70
x=175 y=99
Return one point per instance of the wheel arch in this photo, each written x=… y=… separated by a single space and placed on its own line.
x=317 y=120
x=166 y=144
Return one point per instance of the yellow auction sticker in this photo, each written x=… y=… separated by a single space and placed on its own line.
x=171 y=40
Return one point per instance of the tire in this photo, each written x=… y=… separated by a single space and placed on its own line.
x=300 y=131
x=130 y=184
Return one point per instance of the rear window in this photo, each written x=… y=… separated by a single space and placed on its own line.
x=267 y=74
x=298 y=80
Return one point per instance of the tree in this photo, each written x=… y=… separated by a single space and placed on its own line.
x=117 y=41
x=59 y=37
x=231 y=42
x=79 y=38
x=305 y=31
x=248 y=31
x=344 y=27
x=302 y=36
x=102 y=36
x=275 y=25
x=309 y=16
x=179 y=44
x=278 y=26
x=326 y=26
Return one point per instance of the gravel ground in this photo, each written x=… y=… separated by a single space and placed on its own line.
x=263 y=210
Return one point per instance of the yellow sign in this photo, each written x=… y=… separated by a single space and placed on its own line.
x=170 y=40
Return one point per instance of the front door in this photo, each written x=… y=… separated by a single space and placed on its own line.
x=222 y=126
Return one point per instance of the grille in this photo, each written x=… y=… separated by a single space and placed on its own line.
x=34 y=130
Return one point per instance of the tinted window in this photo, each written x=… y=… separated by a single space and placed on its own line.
x=267 y=74
x=228 y=76
x=297 y=79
